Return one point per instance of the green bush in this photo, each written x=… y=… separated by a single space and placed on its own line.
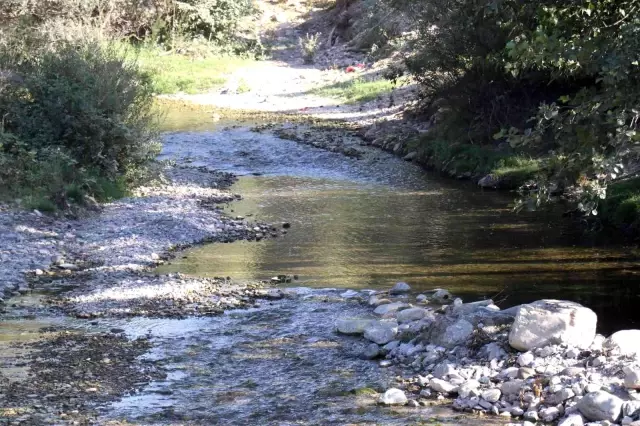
x=75 y=118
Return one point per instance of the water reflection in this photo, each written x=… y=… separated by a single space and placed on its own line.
x=358 y=235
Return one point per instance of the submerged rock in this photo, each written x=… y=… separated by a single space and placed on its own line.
x=393 y=396
x=548 y=322
x=400 y=288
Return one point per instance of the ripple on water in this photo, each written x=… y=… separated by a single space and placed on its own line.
x=277 y=365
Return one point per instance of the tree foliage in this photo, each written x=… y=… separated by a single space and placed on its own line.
x=556 y=79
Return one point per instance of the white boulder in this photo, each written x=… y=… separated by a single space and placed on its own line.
x=393 y=396
x=550 y=322
x=624 y=342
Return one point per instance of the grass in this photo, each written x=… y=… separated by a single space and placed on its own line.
x=515 y=170
x=622 y=205
x=173 y=73
x=356 y=90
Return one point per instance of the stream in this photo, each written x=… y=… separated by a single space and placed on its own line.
x=355 y=224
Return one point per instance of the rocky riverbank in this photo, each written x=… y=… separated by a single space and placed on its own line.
x=99 y=266
x=540 y=362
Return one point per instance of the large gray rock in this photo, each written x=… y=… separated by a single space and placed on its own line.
x=624 y=342
x=399 y=288
x=411 y=314
x=600 y=405
x=448 y=332
x=491 y=395
x=393 y=396
x=353 y=325
x=381 y=332
x=549 y=322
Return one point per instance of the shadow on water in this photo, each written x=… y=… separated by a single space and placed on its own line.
x=368 y=223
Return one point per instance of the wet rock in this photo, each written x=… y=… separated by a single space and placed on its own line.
x=410 y=156
x=377 y=301
x=489 y=181
x=624 y=342
x=600 y=405
x=548 y=322
x=381 y=332
x=393 y=396
x=400 y=288
x=353 y=326
x=441 y=296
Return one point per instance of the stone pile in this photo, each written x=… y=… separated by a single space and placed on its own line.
x=539 y=362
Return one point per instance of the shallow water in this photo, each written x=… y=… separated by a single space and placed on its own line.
x=371 y=222
x=280 y=364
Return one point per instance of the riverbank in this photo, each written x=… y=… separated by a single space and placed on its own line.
x=98 y=266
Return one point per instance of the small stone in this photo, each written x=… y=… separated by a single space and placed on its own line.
x=517 y=411
x=393 y=396
x=549 y=414
x=512 y=387
x=526 y=372
x=413 y=403
x=526 y=359
x=443 y=386
x=632 y=377
x=531 y=416
x=491 y=395
x=572 y=420
x=155 y=256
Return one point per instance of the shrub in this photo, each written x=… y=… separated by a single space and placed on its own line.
x=80 y=115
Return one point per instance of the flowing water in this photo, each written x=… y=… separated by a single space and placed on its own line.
x=358 y=224
x=371 y=222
